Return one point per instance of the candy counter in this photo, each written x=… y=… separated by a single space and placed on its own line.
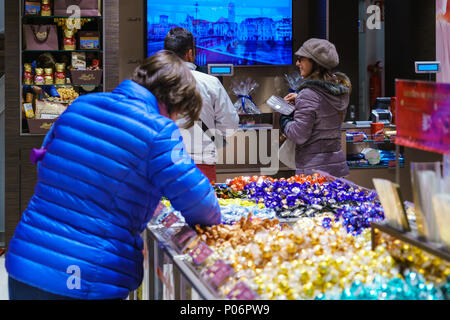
x=298 y=238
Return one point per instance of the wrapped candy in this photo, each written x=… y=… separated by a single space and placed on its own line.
x=225 y=192
x=305 y=260
x=233 y=213
x=412 y=287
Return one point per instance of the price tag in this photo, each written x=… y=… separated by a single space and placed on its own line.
x=392 y=163
x=184 y=237
x=241 y=292
x=170 y=220
x=200 y=253
x=219 y=272
x=358 y=138
x=158 y=209
x=378 y=138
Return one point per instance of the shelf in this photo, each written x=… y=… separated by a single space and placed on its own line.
x=58 y=17
x=374 y=167
x=63 y=85
x=411 y=238
x=61 y=51
x=374 y=141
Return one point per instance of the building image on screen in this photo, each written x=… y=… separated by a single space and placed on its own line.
x=245 y=32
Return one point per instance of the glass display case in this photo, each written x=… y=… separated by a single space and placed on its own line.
x=366 y=149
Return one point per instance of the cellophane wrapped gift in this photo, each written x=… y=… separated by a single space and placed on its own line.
x=243 y=90
x=294 y=80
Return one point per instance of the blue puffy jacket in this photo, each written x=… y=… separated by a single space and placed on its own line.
x=110 y=157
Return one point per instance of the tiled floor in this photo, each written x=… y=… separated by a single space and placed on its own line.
x=3 y=280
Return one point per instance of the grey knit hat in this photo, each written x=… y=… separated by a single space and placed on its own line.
x=321 y=51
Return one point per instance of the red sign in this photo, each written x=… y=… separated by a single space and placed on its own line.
x=158 y=209
x=184 y=237
x=170 y=220
x=423 y=115
x=241 y=292
x=218 y=272
x=200 y=253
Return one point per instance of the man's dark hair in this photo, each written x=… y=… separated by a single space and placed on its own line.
x=166 y=76
x=179 y=40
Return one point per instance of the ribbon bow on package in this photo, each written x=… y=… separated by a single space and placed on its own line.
x=242 y=90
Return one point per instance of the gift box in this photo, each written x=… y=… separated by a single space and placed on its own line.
x=89 y=40
x=83 y=77
x=40 y=126
x=86 y=7
x=32 y=8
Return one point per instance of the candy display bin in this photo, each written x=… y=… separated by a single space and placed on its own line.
x=320 y=251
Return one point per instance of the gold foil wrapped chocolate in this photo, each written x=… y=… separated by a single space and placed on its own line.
x=48 y=76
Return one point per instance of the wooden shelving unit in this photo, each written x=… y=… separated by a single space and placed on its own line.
x=93 y=23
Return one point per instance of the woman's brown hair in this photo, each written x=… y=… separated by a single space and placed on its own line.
x=166 y=76
x=320 y=73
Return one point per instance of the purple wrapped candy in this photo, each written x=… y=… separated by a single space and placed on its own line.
x=326 y=223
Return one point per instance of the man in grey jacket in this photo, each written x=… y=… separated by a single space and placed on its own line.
x=218 y=117
x=320 y=107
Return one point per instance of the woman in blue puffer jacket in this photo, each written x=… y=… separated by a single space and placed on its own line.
x=106 y=163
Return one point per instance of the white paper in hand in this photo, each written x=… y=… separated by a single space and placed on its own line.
x=280 y=105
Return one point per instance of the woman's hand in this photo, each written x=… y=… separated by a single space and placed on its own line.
x=291 y=98
x=284 y=120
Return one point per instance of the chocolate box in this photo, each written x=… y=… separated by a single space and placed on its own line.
x=83 y=77
x=40 y=126
x=89 y=40
x=32 y=8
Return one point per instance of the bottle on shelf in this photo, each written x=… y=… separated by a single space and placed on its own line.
x=48 y=77
x=28 y=74
x=39 y=77
x=46 y=8
x=352 y=114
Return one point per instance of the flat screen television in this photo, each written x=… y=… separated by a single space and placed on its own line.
x=238 y=32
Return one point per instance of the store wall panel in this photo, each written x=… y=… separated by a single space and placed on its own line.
x=2 y=160
x=111 y=34
x=410 y=36
x=13 y=141
x=27 y=183
x=132 y=22
x=343 y=32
